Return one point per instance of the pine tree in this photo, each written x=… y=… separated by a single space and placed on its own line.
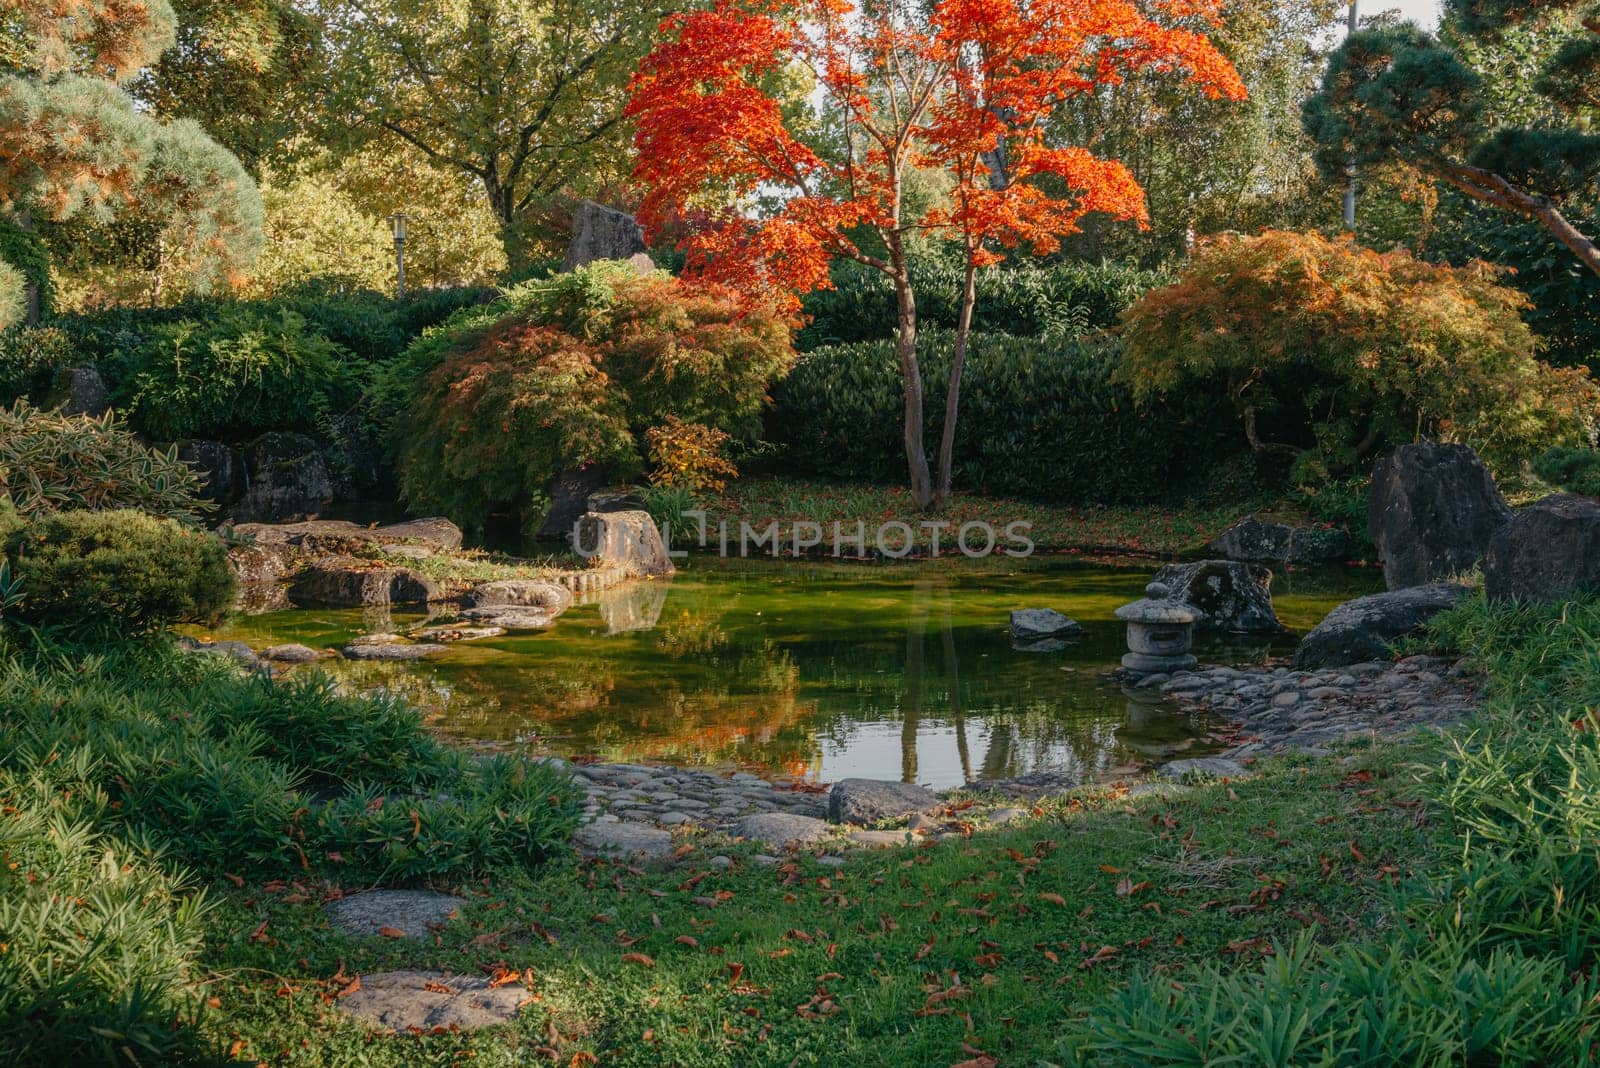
x=72 y=143
x=1398 y=94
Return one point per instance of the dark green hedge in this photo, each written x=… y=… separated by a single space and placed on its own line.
x=1039 y=419
x=1024 y=301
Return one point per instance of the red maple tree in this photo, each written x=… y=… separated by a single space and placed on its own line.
x=962 y=86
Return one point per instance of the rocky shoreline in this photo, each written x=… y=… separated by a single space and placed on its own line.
x=1280 y=709
x=635 y=809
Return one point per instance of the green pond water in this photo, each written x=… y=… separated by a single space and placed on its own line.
x=818 y=670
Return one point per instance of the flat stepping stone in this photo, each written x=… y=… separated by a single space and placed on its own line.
x=871 y=800
x=376 y=639
x=781 y=829
x=422 y=1001
x=623 y=839
x=508 y=618
x=878 y=839
x=459 y=634
x=412 y=913
x=396 y=651
x=291 y=654
x=1203 y=767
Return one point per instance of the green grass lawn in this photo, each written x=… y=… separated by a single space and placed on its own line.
x=989 y=945
x=1156 y=530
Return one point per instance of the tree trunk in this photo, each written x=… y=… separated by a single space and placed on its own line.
x=911 y=380
x=1491 y=188
x=952 y=396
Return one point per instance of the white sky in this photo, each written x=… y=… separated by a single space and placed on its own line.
x=1424 y=13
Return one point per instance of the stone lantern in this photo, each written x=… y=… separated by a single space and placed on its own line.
x=1160 y=633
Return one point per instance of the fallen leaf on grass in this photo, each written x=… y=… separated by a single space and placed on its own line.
x=639 y=958
x=391 y=932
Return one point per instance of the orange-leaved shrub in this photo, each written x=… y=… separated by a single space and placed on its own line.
x=484 y=412
x=1329 y=353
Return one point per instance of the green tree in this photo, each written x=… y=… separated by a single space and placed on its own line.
x=1211 y=165
x=73 y=143
x=316 y=231
x=1398 y=94
x=524 y=96
x=245 y=70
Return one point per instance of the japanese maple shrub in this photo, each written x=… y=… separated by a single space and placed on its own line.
x=485 y=412
x=963 y=88
x=1329 y=353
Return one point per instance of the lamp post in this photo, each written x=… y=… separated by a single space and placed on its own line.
x=1352 y=24
x=397 y=223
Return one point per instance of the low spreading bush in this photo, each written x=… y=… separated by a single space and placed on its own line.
x=51 y=463
x=1572 y=469
x=123 y=569
x=1041 y=418
x=1024 y=301
x=1329 y=354
x=482 y=413
x=238 y=375
x=259 y=776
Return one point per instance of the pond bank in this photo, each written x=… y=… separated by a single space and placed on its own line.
x=636 y=809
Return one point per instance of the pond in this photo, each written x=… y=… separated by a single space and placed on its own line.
x=814 y=670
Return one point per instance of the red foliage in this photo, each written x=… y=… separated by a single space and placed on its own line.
x=945 y=92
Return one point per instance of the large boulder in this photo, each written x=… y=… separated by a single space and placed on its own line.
x=1228 y=596
x=1365 y=628
x=325 y=537
x=548 y=597
x=602 y=233
x=1254 y=541
x=1546 y=553
x=220 y=468
x=80 y=391
x=628 y=541
x=348 y=582
x=286 y=478
x=1432 y=512
x=871 y=800
x=569 y=499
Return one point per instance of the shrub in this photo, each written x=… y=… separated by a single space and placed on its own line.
x=689 y=456
x=123 y=568
x=99 y=936
x=1330 y=353
x=1025 y=301
x=51 y=462
x=236 y=376
x=1574 y=470
x=30 y=356
x=484 y=411
x=1040 y=418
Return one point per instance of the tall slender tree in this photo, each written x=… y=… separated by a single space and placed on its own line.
x=964 y=87
x=524 y=96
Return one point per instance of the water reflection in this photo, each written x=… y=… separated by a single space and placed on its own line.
x=810 y=669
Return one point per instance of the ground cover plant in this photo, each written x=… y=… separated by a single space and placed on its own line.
x=1158 y=530
x=977 y=947
x=135 y=774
